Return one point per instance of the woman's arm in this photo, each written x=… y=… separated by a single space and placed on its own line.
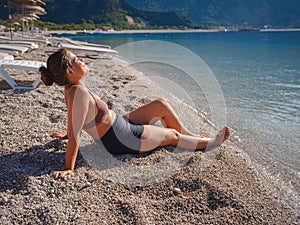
x=78 y=105
x=61 y=134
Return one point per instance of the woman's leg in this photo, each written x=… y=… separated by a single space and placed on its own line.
x=154 y=137
x=158 y=109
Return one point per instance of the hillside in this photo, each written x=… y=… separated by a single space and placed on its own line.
x=169 y=13
x=111 y=12
x=277 y=13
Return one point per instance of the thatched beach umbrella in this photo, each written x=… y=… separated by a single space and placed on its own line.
x=29 y=9
x=34 y=8
x=40 y=3
x=23 y=1
x=32 y=11
x=28 y=2
x=32 y=5
x=24 y=17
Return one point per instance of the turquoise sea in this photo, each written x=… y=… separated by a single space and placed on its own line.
x=259 y=75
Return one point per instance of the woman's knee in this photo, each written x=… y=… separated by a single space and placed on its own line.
x=172 y=137
x=162 y=103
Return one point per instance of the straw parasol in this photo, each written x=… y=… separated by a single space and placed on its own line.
x=26 y=10
x=34 y=8
x=26 y=17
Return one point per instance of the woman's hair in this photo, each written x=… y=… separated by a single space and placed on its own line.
x=57 y=64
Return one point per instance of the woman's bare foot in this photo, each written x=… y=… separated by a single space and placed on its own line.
x=221 y=137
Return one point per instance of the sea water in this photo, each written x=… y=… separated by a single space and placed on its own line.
x=259 y=75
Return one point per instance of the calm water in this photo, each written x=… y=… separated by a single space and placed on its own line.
x=259 y=74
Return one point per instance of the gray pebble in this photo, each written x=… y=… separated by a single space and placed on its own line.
x=4 y=199
x=177 y=190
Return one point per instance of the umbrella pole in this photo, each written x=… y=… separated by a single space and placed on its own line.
x=23 y=22
x=9 y=17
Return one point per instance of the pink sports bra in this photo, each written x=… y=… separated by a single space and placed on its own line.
x=102 y=111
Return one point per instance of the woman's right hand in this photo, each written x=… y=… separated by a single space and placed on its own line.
x=62 y=174
x=60 y=134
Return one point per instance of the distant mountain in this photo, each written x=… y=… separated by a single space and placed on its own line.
x=168 y=13
x=114 y=12
x=282 y=13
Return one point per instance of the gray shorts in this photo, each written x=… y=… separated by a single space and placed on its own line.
x=123 y=137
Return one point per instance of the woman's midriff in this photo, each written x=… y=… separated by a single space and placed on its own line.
x=106 y=123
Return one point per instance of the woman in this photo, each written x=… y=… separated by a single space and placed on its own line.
x=132 y=133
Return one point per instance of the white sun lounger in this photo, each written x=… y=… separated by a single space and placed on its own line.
x=54 y=41
x=4 y=38
x=5 y=55
x=28 y=44
x=102 y=52
x=20 y=65
x=26 y=39
x=80 y=43
x=11 y=52
x=35 y=40
x=9 y=47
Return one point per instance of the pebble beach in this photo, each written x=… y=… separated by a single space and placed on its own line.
x=167 y=186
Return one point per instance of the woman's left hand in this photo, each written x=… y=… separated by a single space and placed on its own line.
x=62 y=174
x=60 y=134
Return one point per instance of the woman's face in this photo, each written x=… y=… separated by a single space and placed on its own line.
x=78 y=68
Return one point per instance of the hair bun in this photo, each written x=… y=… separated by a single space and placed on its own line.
x=46 y=76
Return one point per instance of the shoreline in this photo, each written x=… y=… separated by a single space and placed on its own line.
x=60 y=32
x=169 y=31
x=133 y=31
x=195 y=194
x=280 y=30
x=162 y=31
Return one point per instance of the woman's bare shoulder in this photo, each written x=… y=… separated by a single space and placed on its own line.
x=77 y=91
